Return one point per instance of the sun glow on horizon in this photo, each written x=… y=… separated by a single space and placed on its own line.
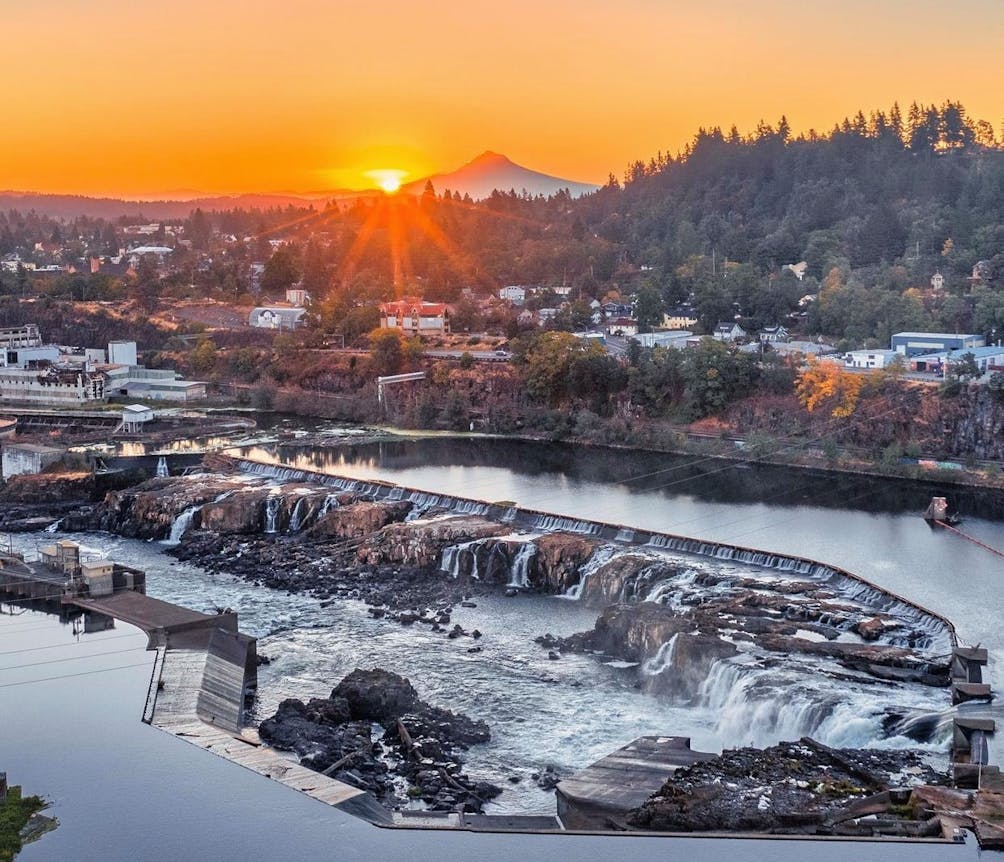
x=387 y=179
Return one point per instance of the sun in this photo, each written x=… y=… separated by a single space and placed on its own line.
x=387 y=179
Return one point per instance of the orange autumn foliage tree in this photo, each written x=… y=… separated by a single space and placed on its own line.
x=826 y=384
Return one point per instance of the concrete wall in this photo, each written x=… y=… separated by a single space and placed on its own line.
x=19 y=460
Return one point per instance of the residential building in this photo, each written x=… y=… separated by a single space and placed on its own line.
x=681 y=317
x=276 y=317
x=513 y=293
x=728 y=331
x=916 y=343
x=297 y=297
x=622 y=326
x=413 y=316
x=773 y=334
x=870 y=358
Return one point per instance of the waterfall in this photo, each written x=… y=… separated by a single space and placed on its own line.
x=162 y=471
x=453 y=558
x=938 y=637
x=520 y=575
x=662 y=660
x=296 y=519
x=272 y=504
x=330 y=502
x=53 y=527
x=600 y=557
x=180 y=525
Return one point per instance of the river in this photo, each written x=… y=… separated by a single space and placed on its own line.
x=574 y=710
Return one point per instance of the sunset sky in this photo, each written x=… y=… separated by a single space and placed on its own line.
x=128 y=97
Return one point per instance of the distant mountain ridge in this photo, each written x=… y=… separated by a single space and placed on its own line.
x=478 y=178
x=74 y=206
x=493 y=171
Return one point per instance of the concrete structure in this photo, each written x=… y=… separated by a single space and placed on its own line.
x=870 y=358
x=916 y=343
x=122 y=353
x=53 y=386
x=513 y=293
x=276 y=317
x=30 y=357
x=134 y=416
x=600 y=796
x=22 y=458
x=13 y=337
x=674 y=338
x=413 y=316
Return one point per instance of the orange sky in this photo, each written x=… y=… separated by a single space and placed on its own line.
x=130 y=97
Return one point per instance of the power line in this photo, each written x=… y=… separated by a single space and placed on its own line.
x=72 y=675
x=57 y=646
x=69 y=658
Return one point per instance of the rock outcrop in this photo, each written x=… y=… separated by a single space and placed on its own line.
x=421 y=543
x=559 y=558
x=791 y=788
x=421 y=743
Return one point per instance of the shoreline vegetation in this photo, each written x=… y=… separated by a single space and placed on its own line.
x=21 y=822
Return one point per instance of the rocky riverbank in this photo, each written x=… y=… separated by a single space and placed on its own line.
x=795 y=788
x=417 y=758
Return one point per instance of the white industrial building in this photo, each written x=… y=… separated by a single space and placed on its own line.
x=672 y=338
x=276 y=317
x=870 y=358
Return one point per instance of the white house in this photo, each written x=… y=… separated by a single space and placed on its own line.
x=773 y=334
x=513 y=293
x=726 y=331
x=622 y=326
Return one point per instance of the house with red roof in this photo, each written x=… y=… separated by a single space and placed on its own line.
x=414 y=317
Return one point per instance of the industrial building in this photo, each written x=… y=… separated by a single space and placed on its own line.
x=916 y=343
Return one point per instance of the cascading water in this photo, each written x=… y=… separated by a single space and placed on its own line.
x=662 y=660
x=272 y=505
x=520 y=575
x=180 y=525
x=296 y=519
x=453 y=558
x=162 y=471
